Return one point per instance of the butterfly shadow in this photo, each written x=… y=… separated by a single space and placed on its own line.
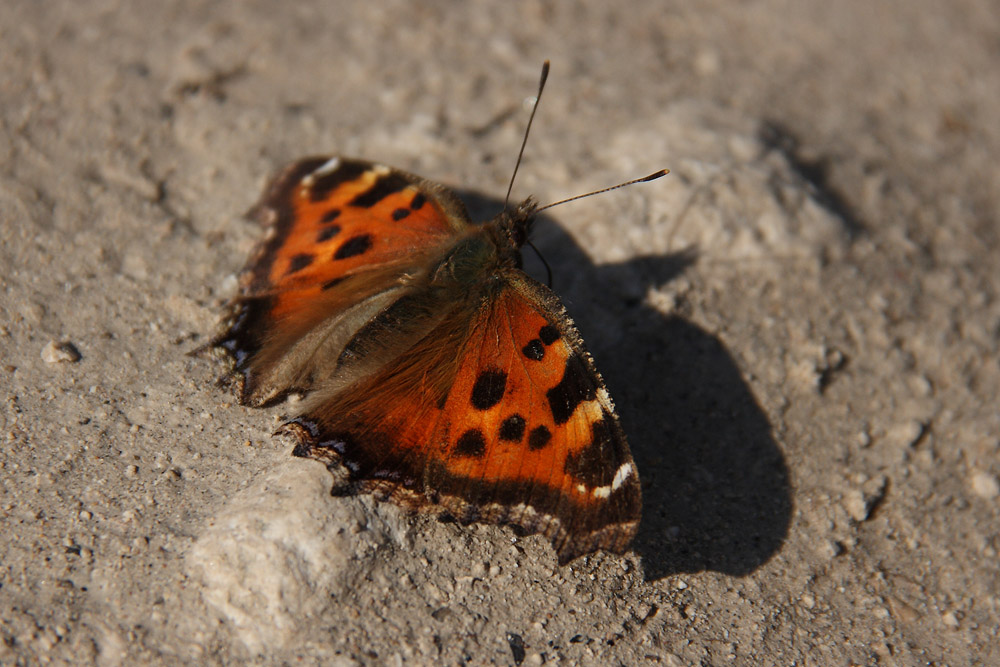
x=716 y=489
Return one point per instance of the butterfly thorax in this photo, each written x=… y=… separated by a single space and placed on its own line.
x=487 y=250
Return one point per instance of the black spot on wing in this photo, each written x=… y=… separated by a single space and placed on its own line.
x=347 y=171
x=327 y=233
x=471 y=444
x=488 y=389
x=534 y=350
x=400 y=213
x=384 y=186
x=549 y=334
x=354 y=246
x=512 y=428
x=418 y=202
x=299 y=262
x=576 y=386
x=330 y=216
x=539 y=438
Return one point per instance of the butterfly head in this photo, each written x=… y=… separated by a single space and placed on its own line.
x=514 y=226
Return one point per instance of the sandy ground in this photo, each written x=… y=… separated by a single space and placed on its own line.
x=800 y=327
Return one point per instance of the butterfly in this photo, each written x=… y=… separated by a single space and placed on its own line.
x=434 y=370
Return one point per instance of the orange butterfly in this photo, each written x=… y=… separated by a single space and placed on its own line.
x=437 y=372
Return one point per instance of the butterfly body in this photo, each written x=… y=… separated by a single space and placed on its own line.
x=434 y=369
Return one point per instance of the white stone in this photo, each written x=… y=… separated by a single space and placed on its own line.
x=281 y=551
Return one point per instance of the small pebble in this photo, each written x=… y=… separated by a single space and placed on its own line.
x=984 y=485
x=854 y=503
x=828 y=549
x=60 y=352
x=859 y=503
x=905 y=434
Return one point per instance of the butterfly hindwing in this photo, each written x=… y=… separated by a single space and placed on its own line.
x=534 y=440
x=515 y=427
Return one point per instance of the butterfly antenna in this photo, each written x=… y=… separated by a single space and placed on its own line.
x=651 y=177
x=548 y=269
x=524 y=142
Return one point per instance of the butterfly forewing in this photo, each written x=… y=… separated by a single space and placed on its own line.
x=334 y=217
x=343 y=235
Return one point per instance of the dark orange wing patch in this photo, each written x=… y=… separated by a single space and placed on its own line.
x=335 y=217
x=516 y=428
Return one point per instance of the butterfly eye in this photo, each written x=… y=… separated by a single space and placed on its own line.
x=518 y=236
x=517 y=225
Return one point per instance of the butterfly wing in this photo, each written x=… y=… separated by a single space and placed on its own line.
x=497 y=414
x=343 y=237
